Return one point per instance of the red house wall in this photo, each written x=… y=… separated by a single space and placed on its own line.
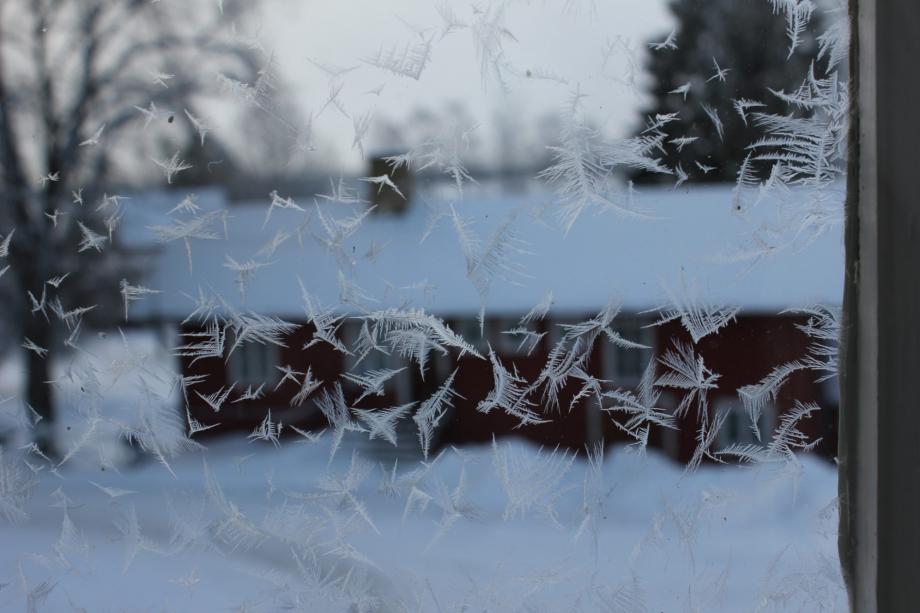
x=742 y=353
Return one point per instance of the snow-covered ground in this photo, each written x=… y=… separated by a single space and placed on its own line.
x=291 y=529
x=248 y=526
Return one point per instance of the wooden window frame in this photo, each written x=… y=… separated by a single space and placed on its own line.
x=879 y=452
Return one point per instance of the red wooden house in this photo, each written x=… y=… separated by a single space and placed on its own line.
x=412 y=259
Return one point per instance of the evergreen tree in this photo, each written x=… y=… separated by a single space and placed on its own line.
x=721 y=55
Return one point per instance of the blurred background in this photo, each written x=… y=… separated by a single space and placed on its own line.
x=432 y=251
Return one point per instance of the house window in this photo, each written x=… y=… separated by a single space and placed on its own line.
x=670 y=437
x=556 y=329
x=624 y=366
x=399 y=385
x=253 y=364
x=512 y=344
x=737 y=427
x=473 y=333
x=830 y=392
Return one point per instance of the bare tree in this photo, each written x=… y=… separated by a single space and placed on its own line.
x=80 y=80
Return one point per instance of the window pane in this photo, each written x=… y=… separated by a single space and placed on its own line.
x=439 y=306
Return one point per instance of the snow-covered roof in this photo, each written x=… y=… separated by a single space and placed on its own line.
x=691 y=240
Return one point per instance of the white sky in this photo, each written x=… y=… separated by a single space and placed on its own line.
x=566 y=38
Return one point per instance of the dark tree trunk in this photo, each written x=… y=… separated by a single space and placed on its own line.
x=28 y=259
x=38 y=393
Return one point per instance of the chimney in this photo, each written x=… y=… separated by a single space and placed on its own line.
x=387 y=199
